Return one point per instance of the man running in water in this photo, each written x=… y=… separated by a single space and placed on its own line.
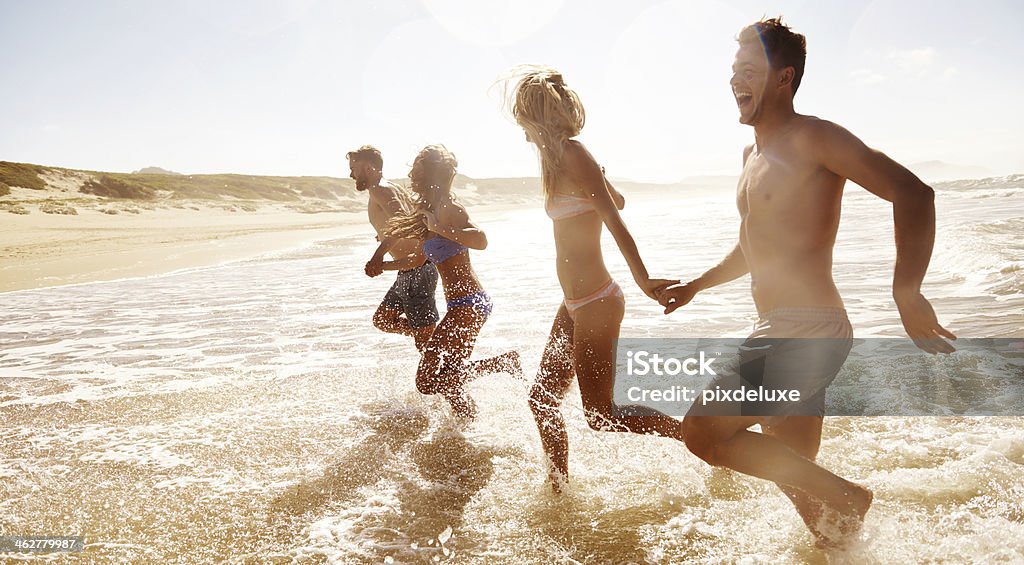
x=408 y=308
x=789 y=198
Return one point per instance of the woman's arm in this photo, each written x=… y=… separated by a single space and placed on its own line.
x=581 y=166
x=617 y=197
x=453 y=223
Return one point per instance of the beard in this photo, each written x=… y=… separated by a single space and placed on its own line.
x=363 y=184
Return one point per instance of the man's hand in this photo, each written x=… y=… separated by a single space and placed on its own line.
x=652 y=287
x=374 y=267
x=922 y=325
x=675 y=296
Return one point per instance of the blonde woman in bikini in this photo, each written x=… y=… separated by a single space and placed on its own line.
x=445 y=234
x=581 y=203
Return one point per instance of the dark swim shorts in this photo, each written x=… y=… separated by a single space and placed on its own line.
x=413 y=294
x=791 y=350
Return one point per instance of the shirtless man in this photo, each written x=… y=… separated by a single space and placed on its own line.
x=789 y=198
x=413 y=291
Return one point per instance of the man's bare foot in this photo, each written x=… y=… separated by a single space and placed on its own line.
x=838 y=526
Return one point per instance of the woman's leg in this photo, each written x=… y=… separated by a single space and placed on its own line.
x=596 y=330
x=507 y=362
x=442 y=366
x=548 y=391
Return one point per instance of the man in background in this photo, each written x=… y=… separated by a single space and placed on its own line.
x=408 y=307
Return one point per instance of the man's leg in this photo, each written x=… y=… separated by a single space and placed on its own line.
x=725 y=441
x=802 y=434
x=422 y=335
x=420 y=305
x=389 y=319
x=411 y=295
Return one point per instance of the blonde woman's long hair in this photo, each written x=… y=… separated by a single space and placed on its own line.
x=442 y=165
x=549 y=111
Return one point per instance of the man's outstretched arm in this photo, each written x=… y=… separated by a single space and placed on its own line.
x=729 y=269
x=913 y=216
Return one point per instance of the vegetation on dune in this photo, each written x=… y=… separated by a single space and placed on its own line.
x=4 y=189
x=21 y=174
x=57 y=208
x=216 y=187
x=113 y=187
x=245 y=187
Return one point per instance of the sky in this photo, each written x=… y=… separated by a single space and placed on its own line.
x=288 y=87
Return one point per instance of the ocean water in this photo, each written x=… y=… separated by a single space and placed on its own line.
x=251 y=413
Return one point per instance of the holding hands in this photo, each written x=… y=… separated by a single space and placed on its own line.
x=374 y=267
x=654 y=287
x=677 y=295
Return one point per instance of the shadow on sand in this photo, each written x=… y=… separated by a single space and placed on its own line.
x=362 y=465
x=433 y=480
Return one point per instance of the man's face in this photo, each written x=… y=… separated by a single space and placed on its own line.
x=362 y=172
x=750 y=75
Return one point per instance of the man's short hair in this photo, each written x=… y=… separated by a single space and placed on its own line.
x=367 y=153
x=783 y=47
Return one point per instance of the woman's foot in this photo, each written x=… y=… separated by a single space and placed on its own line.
x=559 y=481
x=513 y=365
x=463 y=406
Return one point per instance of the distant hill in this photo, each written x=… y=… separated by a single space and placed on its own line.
x=154 y=171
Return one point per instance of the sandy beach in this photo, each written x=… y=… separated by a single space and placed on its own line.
x=40 y=249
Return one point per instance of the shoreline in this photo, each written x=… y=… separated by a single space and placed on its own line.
x=41 y=250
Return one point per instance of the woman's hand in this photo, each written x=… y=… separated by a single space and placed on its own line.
x=431 y=221
x=652 y=287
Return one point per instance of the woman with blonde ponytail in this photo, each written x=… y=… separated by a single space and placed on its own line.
x=446 y=234
x=581 y=203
